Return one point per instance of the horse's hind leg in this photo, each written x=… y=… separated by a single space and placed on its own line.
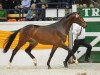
x=51 y=55
x=28 y=51
x=20 y=44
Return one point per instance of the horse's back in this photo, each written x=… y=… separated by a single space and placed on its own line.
x=31 y=26
x=27 y=31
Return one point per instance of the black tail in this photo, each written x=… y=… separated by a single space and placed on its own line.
x=9 y=41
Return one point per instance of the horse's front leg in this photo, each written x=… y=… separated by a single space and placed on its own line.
x=50 y=57
x=69 y=51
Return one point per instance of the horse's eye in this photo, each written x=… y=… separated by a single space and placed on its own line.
x=77 y=15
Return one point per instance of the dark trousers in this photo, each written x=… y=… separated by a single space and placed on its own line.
x=77 y=44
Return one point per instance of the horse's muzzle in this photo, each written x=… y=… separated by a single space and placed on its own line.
x=85 y=26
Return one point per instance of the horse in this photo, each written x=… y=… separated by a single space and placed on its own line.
x=54 y=34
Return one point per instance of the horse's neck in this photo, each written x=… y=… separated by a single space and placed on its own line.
x=62 y=27
x=54 y=25
x=67 y=25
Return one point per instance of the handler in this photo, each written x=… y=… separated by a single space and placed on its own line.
x=79 y=36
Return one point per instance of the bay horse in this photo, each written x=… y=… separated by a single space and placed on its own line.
x=53 y=34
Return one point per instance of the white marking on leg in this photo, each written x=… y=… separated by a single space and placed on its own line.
x=76 y=61
x=35 y=62
x=9 y=65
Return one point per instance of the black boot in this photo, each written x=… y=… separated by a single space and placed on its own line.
x=87 y=61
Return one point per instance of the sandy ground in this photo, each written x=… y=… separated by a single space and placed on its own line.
x=80 y=69
x=23 y=65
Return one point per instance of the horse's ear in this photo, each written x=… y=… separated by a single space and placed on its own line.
x=77 y=15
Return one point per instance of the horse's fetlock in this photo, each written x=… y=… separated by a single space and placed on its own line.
x=35 y=61
x=47 y=63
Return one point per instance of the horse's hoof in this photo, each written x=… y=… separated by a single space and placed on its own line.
x=49 y=67
x=35 y=62
x=65 y=64
x=9 y=66
x=76 y=61
x=48 y=64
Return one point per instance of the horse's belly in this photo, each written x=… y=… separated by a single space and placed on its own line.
x=45 y=40
x=46 y=36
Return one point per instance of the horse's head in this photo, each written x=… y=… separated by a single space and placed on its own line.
x=77 y=18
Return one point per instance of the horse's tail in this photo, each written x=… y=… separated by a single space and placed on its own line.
x=9 y=41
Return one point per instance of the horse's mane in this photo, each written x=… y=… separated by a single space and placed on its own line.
x=62 y=19
x=67 y=16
